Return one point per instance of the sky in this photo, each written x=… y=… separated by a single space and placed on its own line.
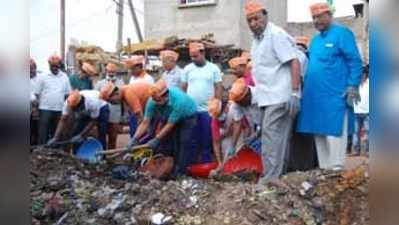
x=95 y=22
x=92 y=21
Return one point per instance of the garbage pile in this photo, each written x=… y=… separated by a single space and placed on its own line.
x=67 y=191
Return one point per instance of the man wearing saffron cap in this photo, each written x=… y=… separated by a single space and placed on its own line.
x=202 y=80
x=82 y=81
x=51 y=90
x=276 y=71
x=303 y=154
x=111 y=71
x=115 y=110
x=239 y=67
x=133 y=97
x=137 y=72
x=330 y=88
x=172 y=73
x=222 y=124
x=92 y=111
x=244 y=106
x=179 y=110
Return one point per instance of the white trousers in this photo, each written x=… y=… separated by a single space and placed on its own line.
x=331 y=150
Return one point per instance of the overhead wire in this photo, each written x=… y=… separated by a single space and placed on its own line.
x=80 y=21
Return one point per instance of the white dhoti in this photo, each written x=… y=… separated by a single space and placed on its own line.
x=331 y=150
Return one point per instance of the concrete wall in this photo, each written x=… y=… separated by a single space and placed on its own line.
x=164 y=18
x=226 y=20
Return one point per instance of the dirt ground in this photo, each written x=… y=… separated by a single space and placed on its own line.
x=67 y=191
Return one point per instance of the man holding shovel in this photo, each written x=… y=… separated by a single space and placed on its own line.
x=179 y=110
x=89 y=111
x=244 y=105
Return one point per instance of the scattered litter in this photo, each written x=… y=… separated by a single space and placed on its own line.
x=160 y=219
x=66 y=191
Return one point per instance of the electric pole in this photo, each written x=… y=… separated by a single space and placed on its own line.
x=135 y=21
x=119 y=43
x=62 y=26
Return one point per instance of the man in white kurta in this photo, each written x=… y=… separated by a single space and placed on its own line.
x=276 y=71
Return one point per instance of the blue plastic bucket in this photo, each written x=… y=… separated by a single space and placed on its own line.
x=88 y=149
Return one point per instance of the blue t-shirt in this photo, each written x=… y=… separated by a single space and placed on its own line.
x=200 y=83
x=80 y=84
x=179 y=106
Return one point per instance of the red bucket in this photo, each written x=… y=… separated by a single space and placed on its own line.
x=245 y=160
x=202 y=170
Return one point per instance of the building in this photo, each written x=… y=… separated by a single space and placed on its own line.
x=193 y=18
x=224 y=18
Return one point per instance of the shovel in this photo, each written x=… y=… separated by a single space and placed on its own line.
x=136 y=152
x=121 y=150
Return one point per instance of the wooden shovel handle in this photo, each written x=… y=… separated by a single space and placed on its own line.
x=121 y=150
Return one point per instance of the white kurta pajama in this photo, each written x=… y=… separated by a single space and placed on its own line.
x=271 y=54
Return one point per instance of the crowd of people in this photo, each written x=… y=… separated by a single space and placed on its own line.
x=282 y=88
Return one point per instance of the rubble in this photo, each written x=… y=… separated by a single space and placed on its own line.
x=216 y=52
x=67 y=191
x=95 y=55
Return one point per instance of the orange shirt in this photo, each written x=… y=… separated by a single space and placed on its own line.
x=136 y=96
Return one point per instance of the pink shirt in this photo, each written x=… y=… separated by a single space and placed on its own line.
x=216 y=125
x=248 y=79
